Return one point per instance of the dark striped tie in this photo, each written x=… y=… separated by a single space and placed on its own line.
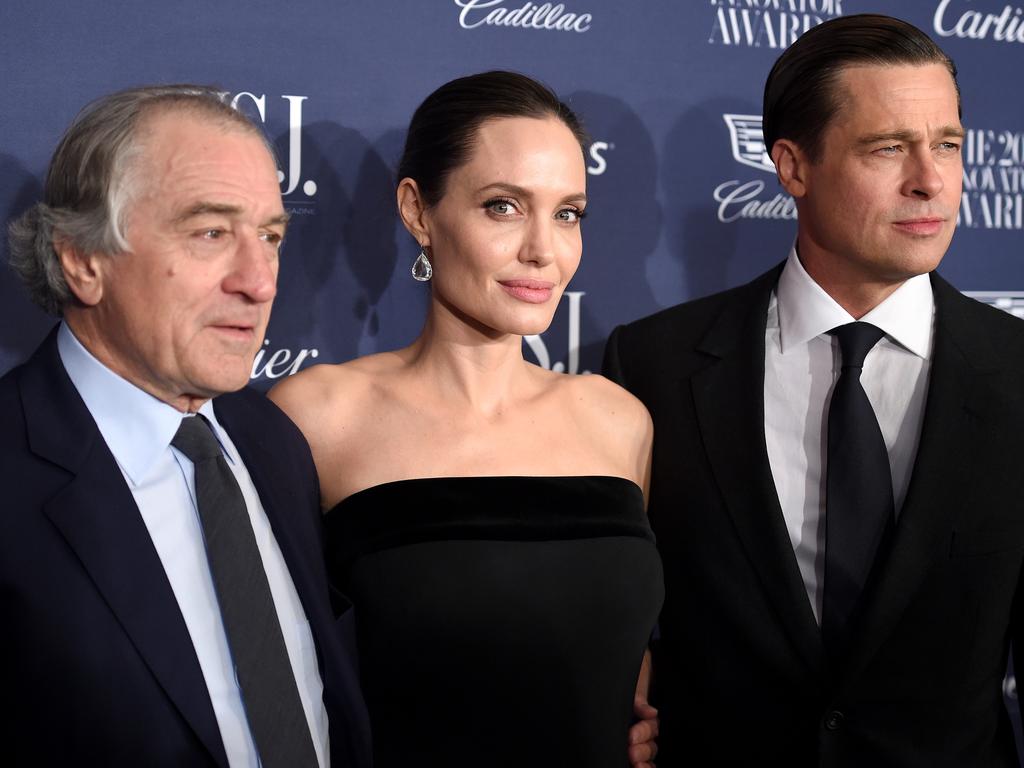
x=271 y=698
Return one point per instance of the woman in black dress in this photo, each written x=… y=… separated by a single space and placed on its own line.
x=485 y=515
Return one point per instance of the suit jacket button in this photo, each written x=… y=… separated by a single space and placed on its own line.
x=834 y=720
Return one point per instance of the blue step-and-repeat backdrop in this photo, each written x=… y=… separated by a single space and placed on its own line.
x=683 y=200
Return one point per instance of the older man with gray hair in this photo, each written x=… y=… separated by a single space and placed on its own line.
x=161 y=585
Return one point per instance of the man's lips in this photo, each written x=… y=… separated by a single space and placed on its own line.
x=235 y=330
x=527 y=289
x=924 y=225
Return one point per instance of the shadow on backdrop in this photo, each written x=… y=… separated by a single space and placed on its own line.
x=702 y=245
x=622 y=229
x=22 y=324
x=340 y=250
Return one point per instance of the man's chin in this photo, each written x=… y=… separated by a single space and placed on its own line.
x=227 y=379
x=923 y=263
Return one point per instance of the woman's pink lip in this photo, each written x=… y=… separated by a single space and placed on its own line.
x=927 y=226
x=528 y=290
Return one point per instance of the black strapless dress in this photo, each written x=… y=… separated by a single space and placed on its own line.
x=501 y=620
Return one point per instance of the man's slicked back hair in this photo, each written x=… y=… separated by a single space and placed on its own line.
x=801 y=95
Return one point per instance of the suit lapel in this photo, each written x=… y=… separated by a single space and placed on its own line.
x=729 y=401
x=924 y=527
x=98 y=517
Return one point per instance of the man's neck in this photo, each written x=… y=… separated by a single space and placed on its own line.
x=94 y=343
x=848 y=289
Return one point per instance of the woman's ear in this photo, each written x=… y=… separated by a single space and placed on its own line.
x=412 y=208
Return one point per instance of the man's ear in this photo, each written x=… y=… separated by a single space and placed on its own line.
x=413 y=208
x=791 y=164
x=83 y=272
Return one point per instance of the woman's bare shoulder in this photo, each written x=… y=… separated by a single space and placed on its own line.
x=321 y=395
x=606 y=401
x=611 y=422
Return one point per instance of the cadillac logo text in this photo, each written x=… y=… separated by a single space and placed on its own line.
x=738 y=199
x=494 y=13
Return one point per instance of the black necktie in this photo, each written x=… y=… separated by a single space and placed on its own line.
x=859 y=507
x=272 y=705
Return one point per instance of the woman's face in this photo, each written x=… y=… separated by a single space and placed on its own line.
x=505 y=237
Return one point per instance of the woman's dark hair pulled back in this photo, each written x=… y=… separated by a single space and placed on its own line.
x=444 y=126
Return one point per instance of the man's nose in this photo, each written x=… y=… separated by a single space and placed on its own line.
x=254 y=271
x=923 y=177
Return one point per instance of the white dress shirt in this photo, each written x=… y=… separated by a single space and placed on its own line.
x=138 y=429
x=802 y=364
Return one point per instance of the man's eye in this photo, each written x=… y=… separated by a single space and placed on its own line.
x=271 y=237
x=212 y=234
x=949 y=146
x=889 y=150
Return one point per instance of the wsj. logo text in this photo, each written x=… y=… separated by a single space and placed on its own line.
x=294 y=166
x=540 y=350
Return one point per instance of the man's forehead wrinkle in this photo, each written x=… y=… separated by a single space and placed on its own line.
x=900 y=133
x=203 y=207
x=897 y=107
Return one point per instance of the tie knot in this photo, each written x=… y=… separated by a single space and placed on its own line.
x=855 y=341
x=196 y=440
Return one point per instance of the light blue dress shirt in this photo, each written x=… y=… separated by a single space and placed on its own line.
x=138 y=429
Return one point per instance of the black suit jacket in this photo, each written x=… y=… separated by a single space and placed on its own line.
x=740 y=675
x=98 y=666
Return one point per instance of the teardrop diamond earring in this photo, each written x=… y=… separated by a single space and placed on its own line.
x=421 y=269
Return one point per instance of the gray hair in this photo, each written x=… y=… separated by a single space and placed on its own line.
x=90 y=182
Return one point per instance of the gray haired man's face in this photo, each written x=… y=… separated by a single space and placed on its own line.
x=184 y=311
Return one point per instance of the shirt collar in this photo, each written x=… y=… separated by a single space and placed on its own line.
x=136 y=426
x=807 y=311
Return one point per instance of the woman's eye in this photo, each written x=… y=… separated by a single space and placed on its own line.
x=570 y=215
x=500 y=207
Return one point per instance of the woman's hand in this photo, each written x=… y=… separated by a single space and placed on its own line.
x=643 y=746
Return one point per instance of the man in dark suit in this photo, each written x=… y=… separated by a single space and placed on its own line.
x=162 y=590
x=842 y=535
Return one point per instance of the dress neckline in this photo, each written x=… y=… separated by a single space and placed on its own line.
x=497 y=479
x=520 y=508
